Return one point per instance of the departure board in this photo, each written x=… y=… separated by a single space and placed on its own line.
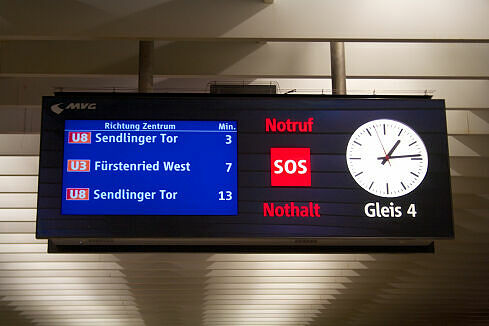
x=149 y=167
x=206 y=168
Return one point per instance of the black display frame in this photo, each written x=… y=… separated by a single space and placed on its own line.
x=100 y=97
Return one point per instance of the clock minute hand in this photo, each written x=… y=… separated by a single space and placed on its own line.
x=399 y=156
x=388 y=155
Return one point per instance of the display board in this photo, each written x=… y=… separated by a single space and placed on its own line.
x=137 y=167
x=243 y=167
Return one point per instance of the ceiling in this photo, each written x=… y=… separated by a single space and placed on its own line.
x=407 y=47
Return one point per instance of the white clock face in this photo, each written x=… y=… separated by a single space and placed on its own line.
x=387 y=158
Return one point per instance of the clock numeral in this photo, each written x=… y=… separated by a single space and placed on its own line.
x=414 y=142
x=412 y=210
x=414 y=174
x=400 y=133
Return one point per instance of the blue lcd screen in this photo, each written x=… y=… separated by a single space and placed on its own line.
x=135 y=167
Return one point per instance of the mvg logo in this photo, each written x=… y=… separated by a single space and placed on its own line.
x=78 y=165
x=77 y=193
x=60 y=107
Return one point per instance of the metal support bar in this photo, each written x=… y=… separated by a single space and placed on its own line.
x=338 y=71
x=145 y=81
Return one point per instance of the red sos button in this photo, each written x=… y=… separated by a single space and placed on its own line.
x=290 y=167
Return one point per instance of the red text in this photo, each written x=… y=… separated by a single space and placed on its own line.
x=272 y=125
x=291 y=210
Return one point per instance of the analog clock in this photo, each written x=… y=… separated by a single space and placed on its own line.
x=387 y=158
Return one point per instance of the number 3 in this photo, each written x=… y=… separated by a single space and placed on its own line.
x=228 y=139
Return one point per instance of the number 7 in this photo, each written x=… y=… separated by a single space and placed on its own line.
x=229 y=166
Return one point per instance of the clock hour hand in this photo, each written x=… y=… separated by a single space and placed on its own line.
x=388 y=155
x=399 y=156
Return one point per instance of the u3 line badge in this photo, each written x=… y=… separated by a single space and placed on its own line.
x=387 y=158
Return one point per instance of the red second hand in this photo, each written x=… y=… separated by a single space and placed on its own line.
x=386 y=156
